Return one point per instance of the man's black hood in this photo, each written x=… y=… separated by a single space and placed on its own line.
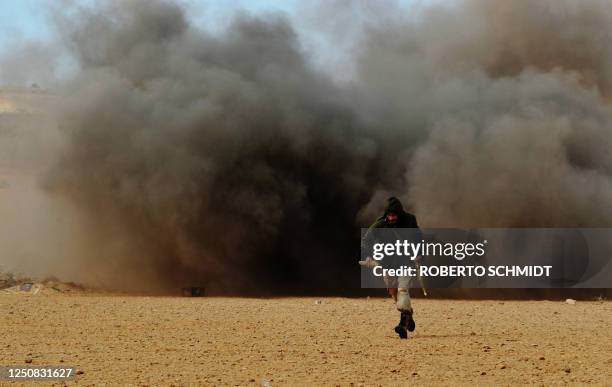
x=404 y=219
x=394 y=206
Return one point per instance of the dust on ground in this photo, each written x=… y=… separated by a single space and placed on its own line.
x=117 y=339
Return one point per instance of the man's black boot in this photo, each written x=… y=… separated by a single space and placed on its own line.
x=410 y=324
x=400 y=329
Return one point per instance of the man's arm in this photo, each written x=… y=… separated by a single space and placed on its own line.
x=418 y=235
x=368 y=241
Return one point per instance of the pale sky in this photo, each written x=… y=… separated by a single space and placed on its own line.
x=320 y=34
x=27 y=19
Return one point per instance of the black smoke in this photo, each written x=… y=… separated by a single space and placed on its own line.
x=230 y=159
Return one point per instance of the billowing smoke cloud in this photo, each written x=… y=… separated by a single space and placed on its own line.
x=225 y=159
x=511 y=100
x=232 y=160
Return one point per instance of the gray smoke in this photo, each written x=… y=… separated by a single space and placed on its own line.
x=231 y=159
x=508 y=102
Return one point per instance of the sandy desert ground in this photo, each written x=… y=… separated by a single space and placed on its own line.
x=119 y=340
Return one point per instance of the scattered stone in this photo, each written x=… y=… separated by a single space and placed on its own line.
x=318 y=302
x=80 y=372
x=567 y=370
x=26 y=286
x=570 y=301
x=542 y=358
x=28 y=361
x=483 y=373
x=501 y=366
